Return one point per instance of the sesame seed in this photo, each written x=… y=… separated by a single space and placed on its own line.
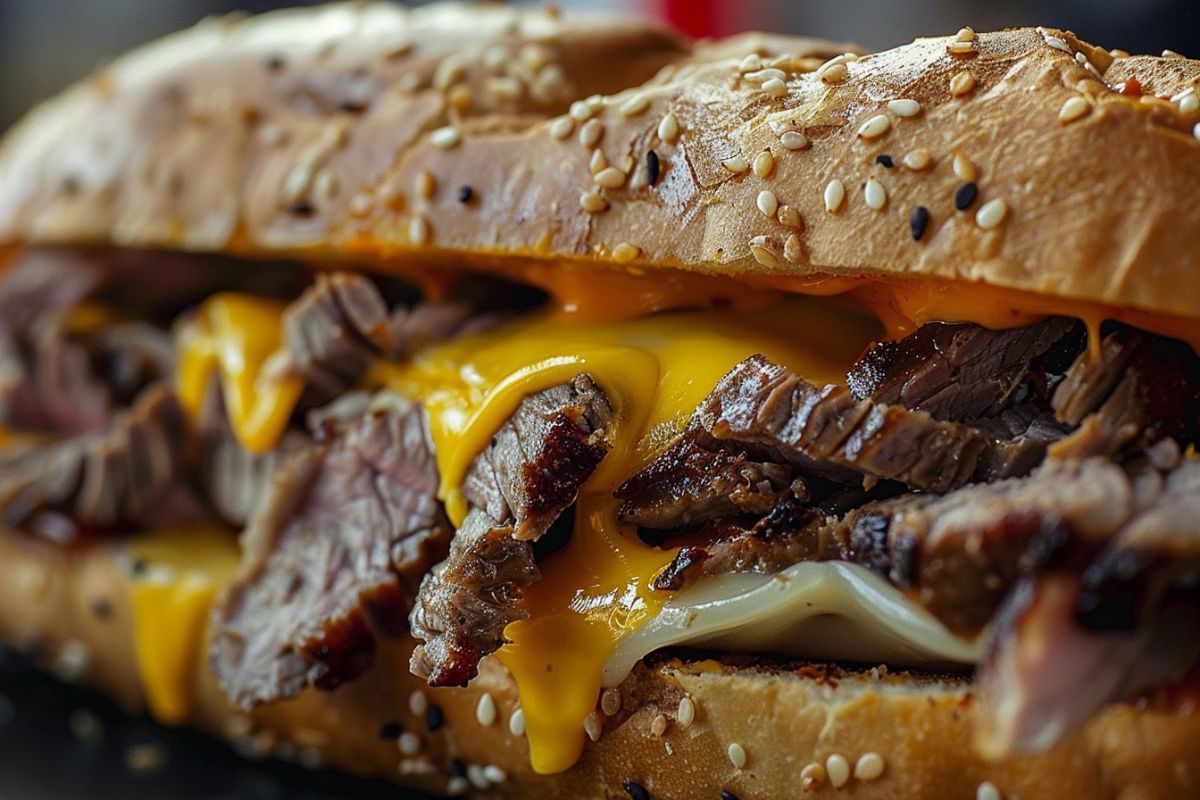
x=987 y=791
x=728 y=795
x=750 y=63
x=409 y=743
x=966 y=34
x=591 y=132
x=965 y=195
x=85 y=726
x=360 y=204
x=495 y=774
x=869 y=767
x=652 y=167
x=774 y=88
x=1073 y=109
x=668 y=129
x=794 y=140
x=918 y=159
x=884 y=160
x=593 y=202
x=833 y=72
x=597 y=162
x=591 y=723
x=418 y=230
x=789 y=217
x=435 y=717
x=918 y=221
x=791 y=248
x=762 y=76
x=485 y=711
x=609 y=178
x=582 y=110
x=1196 y=130
x=812 y=776
x=446 y=138
x=686 y=713
x=875 y=127
x=457 y=786
x=962 y=82
x=763 y=254
x=390 y=730
x=904 y=107
x=72 y=660
x=1172 y=54
x=635 y=105
x=874 y=194
x=963 y=168
x=736 y=165
x=835 y=194
x=417 y=703
x=635 y=790
x=1175 y=98
x=838 y=770
x=658 y=726
x=562 y=127
x=610 y=701
x=622 y=254
x=991 y=214
x=476 y=777
x=961 y=48
x=766 y=202
x=737 y=755
x=502 y=89
x=516 y=723
x=465 y=193
x=145 y=757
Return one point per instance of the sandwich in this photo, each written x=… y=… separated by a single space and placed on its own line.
x=511 y=404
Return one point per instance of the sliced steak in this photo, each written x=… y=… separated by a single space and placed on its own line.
x=828 y=432
x=467 y=601
x=341 y=324
x=534 y=465
x=959 y=371
x=699 y=478
x=1141 y=389
x=100 y=480
x=530 y=472
x=333 y=555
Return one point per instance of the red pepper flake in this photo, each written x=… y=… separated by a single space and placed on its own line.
x=1132 y=87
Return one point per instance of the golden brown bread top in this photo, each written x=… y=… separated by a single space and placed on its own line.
x=352 y=132
x=783 y=719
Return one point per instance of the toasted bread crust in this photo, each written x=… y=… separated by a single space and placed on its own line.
x=784 y=717
x=312 y=133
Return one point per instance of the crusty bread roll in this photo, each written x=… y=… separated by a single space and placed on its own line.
x=784 y=718
x=309 y=132
x=428 y=141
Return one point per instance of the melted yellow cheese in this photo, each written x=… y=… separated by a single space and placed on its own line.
x=234 y=336
x=596 y=590
x=179 y=573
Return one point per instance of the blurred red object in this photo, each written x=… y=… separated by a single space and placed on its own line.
x=694 y=17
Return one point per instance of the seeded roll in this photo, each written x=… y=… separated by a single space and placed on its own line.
x=358 y=130
x=676 y=728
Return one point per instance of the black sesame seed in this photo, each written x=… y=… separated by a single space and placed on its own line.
x=652 y=167
x=636 y=791
x=390 y=730
x=435 y=717
x=275 y=63
x=353 y=106
x=884 y=161
x=303 y=208
x=457 y=768
x=137 y=568
x=918 y=222
x=725 y=793
x=465 y=193
x=102 y=609
x=965 y=195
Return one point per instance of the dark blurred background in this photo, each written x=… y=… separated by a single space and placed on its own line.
x=46 y=44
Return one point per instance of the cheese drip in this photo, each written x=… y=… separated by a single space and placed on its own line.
x=596 y=591
x=233 y=336
x=178 y=573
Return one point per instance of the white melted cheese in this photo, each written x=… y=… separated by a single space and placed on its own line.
x=823 y=610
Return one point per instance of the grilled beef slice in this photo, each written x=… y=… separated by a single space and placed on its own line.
x=127 y=474
x=333 y=554
x=340 y=324
x=530 y=472
x=959 y=371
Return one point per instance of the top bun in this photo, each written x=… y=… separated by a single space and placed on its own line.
x=365 y=131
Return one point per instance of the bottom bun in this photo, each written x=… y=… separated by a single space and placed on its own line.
x=756 y=729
